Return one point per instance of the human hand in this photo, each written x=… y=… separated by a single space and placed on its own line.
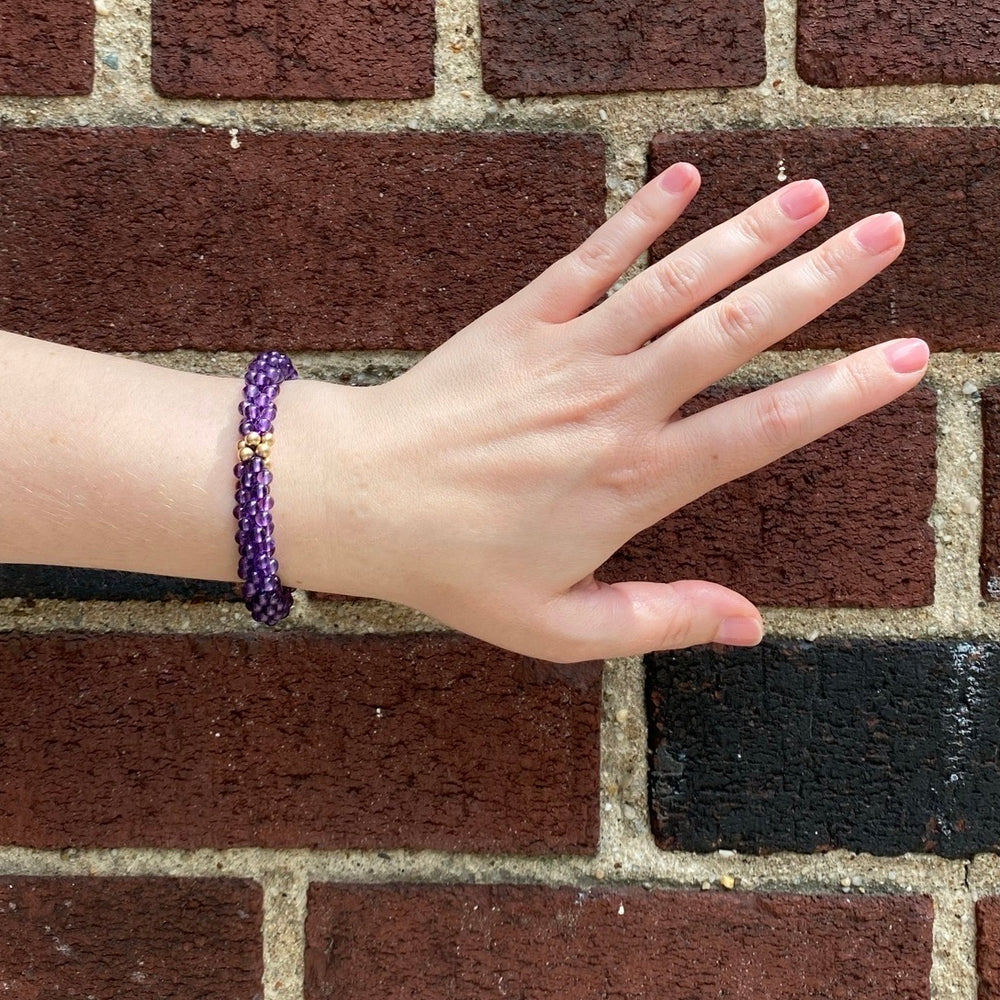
x=508 y=465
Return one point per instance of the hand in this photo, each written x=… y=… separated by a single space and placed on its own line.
x=507 y=466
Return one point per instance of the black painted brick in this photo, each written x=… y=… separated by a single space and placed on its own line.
x=69 y=583
x=868 y=745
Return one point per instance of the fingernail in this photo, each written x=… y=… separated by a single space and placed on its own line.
x=907 y=356
x=678 y=178
x=739 y=632
x=880 y=232
x=801 y=198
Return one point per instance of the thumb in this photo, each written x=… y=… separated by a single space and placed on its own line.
x=628 y=619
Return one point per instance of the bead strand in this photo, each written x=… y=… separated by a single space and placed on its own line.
x=268 y=600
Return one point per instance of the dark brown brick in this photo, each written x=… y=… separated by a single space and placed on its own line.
x=295 y=739
x=855 y=744
x=293 y=48
x=844 y=43
x=580 y=46
x=125 y=937
x=988 y=947
x=990 y=556
x=46 y=47
x=156 y=239
x=943 y=181
x=533 y=942
x=840 y=523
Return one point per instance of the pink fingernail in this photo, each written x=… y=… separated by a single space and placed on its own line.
x=739 y=632
x=880 y=232
x=678 y=178
x=801 y=198
x=907 y=356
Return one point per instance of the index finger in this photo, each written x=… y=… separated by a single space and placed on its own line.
x=575 y=282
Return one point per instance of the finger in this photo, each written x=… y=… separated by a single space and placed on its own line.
x=675 y=286
x=736 y=437
x=720 y=338
x=575 y=282
x=627 y=619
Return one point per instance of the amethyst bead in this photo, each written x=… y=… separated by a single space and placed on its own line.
x=268 y=600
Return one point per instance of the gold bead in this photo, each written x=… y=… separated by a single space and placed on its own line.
x=264 y=449
x=268 y=437
x=246 y=453
x=252 y=438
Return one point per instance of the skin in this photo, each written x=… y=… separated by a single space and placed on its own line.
x=485 y=485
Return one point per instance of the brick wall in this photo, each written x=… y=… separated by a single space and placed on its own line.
x=361 y=804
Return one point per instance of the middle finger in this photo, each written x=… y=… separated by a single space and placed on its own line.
x=674 y=287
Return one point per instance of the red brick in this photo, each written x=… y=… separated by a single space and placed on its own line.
x=157 y=239
x=582 y=46
x=988 y=947
x=46 y=47
x=293 y=48
x=843 y=43
x=127 y=937
x=295 y=739
x=534 y=942
x=990 y=554
x=943 y=181
x=841 y=522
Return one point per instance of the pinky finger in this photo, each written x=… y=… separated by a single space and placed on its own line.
x=745 y=434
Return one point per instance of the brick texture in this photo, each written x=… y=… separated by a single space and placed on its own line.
x=46 y=47
x=127 y=937
x=295 y=739
x=946 y=285
x=68 y=583
x=863 y=744
x=533 y=942
x=157 y=239
x=591 y=47
x=990 y=555
x=988 y=947
x=842 y=522
x=843 y=43
x=293 y=48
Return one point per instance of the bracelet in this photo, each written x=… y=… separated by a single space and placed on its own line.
x=262 y=591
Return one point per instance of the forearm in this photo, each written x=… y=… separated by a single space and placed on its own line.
x=116 y=464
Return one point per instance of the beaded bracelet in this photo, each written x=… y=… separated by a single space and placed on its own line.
x=262 y=591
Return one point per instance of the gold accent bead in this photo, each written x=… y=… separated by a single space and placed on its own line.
x=268 y=437
x=264 y=449
x=252 y=438
x=245 y=453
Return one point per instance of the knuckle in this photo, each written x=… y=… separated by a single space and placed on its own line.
x=754 y=228
x=827 y=263
x=677 y=279
x=738 y=320
x=597 y=256
x=780 y=419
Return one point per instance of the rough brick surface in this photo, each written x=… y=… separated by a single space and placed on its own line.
x=860 y=744
x=46 y=47
x=845 y=43
x=293 y=48
x=990 y=555
x=156 y=239
x=842 y=522
x=68 y=583
x=293 y=739
x=988 y=947
x=943 y=181
x=534 y=942
x=127 y=937
x=592 y=47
